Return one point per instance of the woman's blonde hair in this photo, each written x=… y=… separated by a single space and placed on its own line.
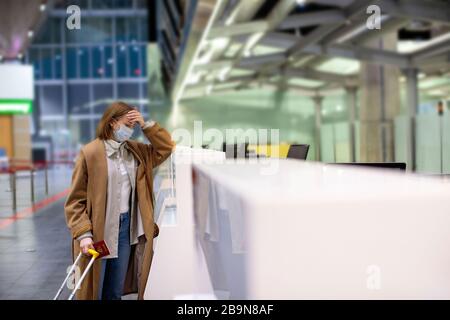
x=113 y=113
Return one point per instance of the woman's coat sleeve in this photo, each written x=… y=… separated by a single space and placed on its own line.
x=75 y=207
x=161 y=144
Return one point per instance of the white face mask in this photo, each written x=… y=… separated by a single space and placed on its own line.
x=123 y=133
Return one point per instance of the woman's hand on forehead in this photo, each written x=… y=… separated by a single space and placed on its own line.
x=135 y=117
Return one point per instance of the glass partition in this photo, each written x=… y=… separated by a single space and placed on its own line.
x=428 y=143
x=446 y=143
x=432 y=142
x=327 y=143
x=335 y=142
x=342 y=142
x=400 y=146
x=164 y=192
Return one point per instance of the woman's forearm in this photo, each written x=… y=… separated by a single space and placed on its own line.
x=161 y=143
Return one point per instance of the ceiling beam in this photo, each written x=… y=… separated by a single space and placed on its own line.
x=230 y=80
x=389 y=26
x=434 y=11
x=349 y=12
x=244 y=11
x=439 y=63
x=347 y=32
x=337 y=3
x=275 y=17
x=313 y=37
x=312 y=19
x=218 y=64
x=343 y=51
x=305 y=91
x=205 y=14
x=376 y=56
x=241 y=12
x=291 y=22
x=262 y=60
x=433 y=50
x=255 y=63
x=238 y=29
x=308 y=73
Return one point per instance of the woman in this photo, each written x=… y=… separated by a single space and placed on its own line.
x=111 y=200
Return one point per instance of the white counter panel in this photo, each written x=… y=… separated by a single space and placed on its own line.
x=316 y=231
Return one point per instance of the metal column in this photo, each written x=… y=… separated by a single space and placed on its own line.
x=318 y=123
x=412 y=102
x=32 y=186
x=351 y=107
x=13 y=185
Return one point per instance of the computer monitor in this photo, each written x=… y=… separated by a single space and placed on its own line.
x=298 y=151
x=401 y=166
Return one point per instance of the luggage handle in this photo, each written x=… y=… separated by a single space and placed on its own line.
x=94 y=255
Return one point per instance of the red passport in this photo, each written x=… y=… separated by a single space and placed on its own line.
x=101 y=248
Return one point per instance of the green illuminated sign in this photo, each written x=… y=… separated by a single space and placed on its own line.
x=16 y=106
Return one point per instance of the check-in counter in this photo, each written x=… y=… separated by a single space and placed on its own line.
x=178 y=269
x=287 y=229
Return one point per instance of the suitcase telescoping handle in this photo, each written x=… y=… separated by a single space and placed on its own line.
x=94 y=254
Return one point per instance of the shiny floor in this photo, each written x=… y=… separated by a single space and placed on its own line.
x=34 y=250
x=34 y=255
x=35 y=247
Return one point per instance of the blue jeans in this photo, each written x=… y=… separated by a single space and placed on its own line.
x=114 y=270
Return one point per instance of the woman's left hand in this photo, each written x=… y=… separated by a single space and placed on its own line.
x=135 y=116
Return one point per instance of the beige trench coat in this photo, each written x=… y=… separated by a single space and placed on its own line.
x=85 y=207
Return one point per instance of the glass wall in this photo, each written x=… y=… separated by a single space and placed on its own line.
x=432 y=134
x=335 y=142
x=78 y=73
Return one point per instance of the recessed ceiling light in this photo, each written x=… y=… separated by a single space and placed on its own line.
x=42 y=7
x=30 y=33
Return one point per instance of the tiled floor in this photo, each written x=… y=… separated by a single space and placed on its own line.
x=35 y=251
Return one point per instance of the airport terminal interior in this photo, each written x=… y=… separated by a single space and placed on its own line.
x=312 y=156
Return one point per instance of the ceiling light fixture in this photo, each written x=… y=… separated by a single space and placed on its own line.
x=42 y=7
x=30 y=34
